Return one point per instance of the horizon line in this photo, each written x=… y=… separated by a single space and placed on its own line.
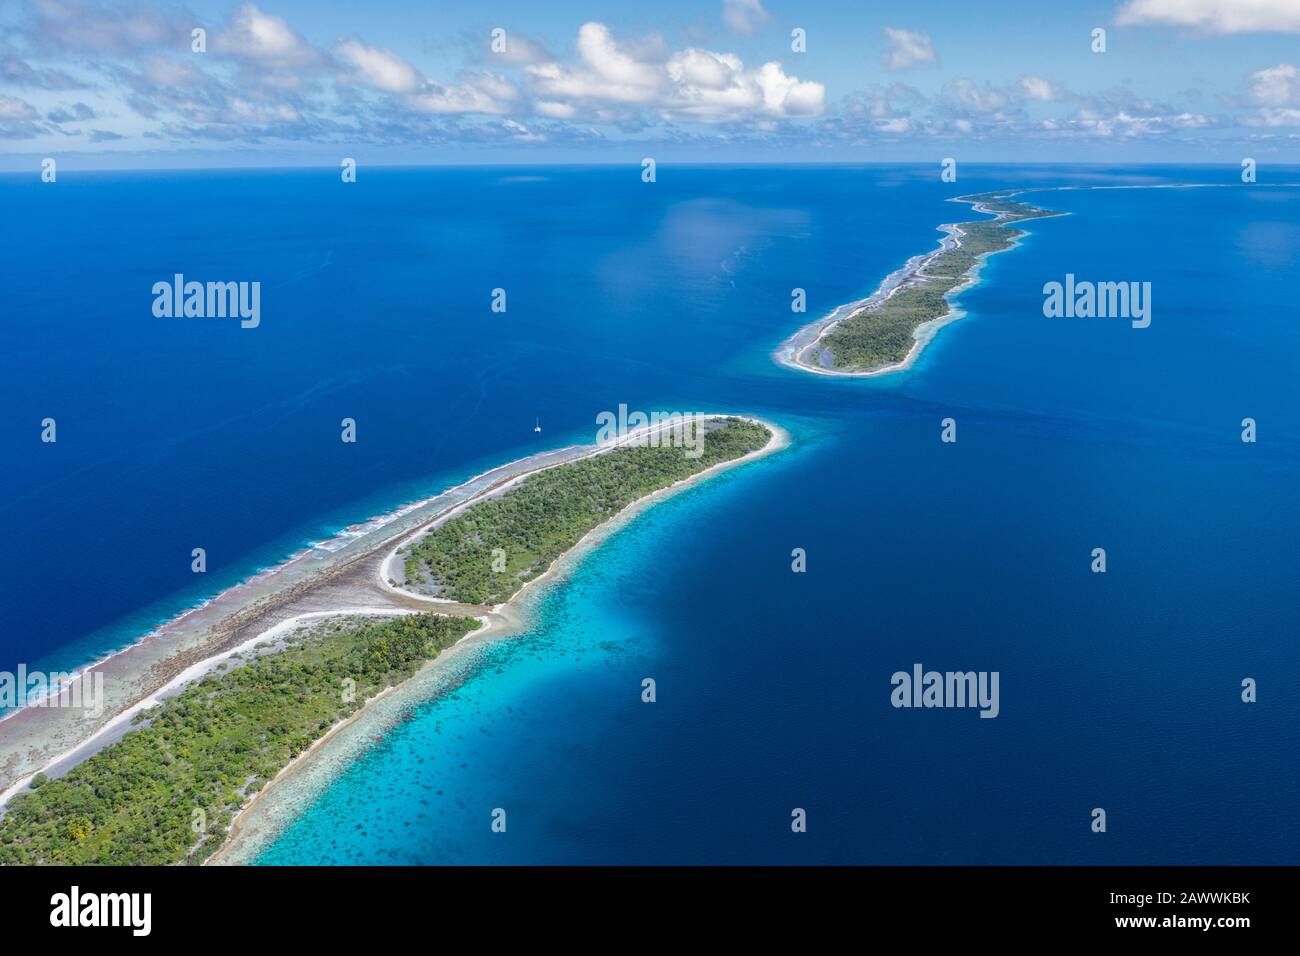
x=659 y=163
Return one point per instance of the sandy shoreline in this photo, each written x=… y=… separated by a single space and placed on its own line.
x=314 y=579
x=793 y=351
x=235 y=824
x=340 y=574
x=115 y=728
x=356 y=585
x=502 y=621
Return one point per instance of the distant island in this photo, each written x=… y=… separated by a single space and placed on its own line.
x=170 y=789
x=887 y=331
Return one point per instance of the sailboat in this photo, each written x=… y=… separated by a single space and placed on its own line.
x=537 y=427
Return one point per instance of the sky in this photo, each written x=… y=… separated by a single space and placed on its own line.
x=397 y=82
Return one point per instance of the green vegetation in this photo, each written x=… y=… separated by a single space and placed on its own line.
x=549 y=512
x=882 y=334
x=167 y=791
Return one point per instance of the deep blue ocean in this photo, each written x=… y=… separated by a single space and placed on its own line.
x=1120 y=691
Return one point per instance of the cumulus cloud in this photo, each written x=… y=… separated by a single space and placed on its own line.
x=744 y=16
x=386 y=72
x=1037 y=88
x=265 y=80
x=907 y=48
x=264 y=39
x=607 y=72
x=788 y=95
x=692 y=84
x=1276 y=86
x=555 y=110
x=1217 y=16
x=473 y=93
x=1125 y=123
x=378 y=69
x=878 y=109
x=982 y=111
x=969 y=95
x=717 y=87
x=1277 y=116
x=1276 y=91
x=517 y=50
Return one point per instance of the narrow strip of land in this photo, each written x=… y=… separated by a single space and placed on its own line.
x=345 y=572
x=169 y=789
x=887 y=332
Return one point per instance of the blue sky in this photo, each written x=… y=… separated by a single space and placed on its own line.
x=292 y=82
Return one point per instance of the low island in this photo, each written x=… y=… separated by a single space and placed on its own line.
x=486 y=554
x=170 y=790
x=888 y=331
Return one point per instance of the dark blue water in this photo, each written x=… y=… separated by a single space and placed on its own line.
x=1118 y=691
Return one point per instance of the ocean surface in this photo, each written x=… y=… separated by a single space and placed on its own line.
x=1118 y=690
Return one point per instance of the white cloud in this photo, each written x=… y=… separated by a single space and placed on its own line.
x=1142 y=119
x=385 y=71
x=521 y=133
x=1276 y=91
x=378 y=69
x=242 y=111
x=1278 y=117
x=610 y=62
x=744 y=16
x=475 y=93
x=554 y=110
x=897 y=124
x=607 y=73
x=971 y=96
x=880 y=109
x=519 y=49
x=1037 y=88
x=717 y=87
x=692 y=84
x=907 y=48
x=785 y=95
x=265 y=39
x=704 y=69
x=1217 y=16
x=1276 y=86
